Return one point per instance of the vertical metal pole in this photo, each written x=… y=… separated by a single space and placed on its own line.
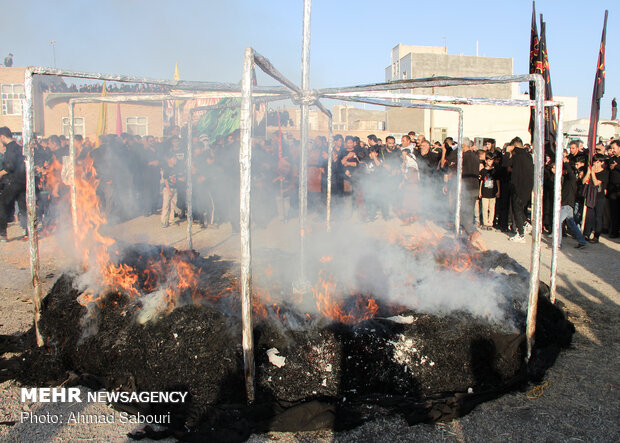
x=73 y=184
x=539 y=131
x=31 y=199
x=459 y=176
x=330 y=151
x=245 y=163
x=189 y=193
x=303 y=163
x=557 y=203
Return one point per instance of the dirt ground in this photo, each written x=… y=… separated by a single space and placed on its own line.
x=579 y=400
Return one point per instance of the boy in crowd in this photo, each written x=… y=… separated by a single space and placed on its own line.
x=489 y=190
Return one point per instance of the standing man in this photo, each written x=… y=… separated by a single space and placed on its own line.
x=471 y=183
x=12 y=181
x=613 y=190
x=521 y=183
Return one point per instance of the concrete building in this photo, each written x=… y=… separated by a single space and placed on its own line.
x=499 y=122
x=409 y=62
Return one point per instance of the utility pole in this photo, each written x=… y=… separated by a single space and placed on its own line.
x=53 y=43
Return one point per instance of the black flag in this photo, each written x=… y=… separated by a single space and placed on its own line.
x=550 y=120
x=597 y=93
x=535 y=66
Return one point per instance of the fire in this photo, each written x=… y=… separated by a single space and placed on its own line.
x=325 y=293
x=52 y=176
x=177 y=280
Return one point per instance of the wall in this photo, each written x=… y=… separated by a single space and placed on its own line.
x=403 y=120
x=437 y=65
x=90 y=112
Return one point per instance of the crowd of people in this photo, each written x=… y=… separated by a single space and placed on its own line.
x=97 y=88
x=413 y=179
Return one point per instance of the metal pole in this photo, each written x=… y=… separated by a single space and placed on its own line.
x=73 y=184
x=429 y=82
x=303 y=166
x=389 y=95
x=557 y=204
x=245 y=163
x=176 y=84
x=459 y=176
x=31 y=200
x=189 y=190
x=532 y=306
x=330 y=168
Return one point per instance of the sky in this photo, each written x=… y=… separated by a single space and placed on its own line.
x=351 y=39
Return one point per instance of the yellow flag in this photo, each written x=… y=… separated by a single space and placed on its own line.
x=103 y=108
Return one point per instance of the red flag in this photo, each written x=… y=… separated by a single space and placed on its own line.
x=597 y=93
x=119 y=121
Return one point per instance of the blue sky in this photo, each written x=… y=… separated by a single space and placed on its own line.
x=351 y=39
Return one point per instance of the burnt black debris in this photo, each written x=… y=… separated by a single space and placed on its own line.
x=427 y=367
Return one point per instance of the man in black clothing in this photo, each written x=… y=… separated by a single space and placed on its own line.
x=471 y=174
x=521 y=183
x=613 y=189
x=427 y=160
x=389 y=174
x=12 y=181
x=597 y=178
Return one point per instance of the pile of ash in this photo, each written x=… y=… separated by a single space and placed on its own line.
x=413 y=356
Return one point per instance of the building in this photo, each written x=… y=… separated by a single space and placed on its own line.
x=410 y=62
x=501 y=123
x=51 y=109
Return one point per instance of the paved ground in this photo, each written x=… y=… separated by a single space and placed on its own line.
x=580 y=402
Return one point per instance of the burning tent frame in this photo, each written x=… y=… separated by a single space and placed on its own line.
x=305 y=97
x=127 y=98
x=28 y=129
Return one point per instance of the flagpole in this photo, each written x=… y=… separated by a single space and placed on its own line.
x=597 y=94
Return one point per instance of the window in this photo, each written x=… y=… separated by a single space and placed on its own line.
x=137 y=125
x=439 y=134
x=78 y=126
x=12 y=96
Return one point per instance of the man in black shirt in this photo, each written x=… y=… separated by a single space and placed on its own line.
x=613 y=189
x=427 y=160
x=12 y=181
x=597 y=178
x=471 y=174
x=521 y=184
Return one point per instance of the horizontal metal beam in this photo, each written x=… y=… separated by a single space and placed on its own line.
x=176 y=84
x=438 y=98
x=52 y=99
x=379 y=102
x=430 y=82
